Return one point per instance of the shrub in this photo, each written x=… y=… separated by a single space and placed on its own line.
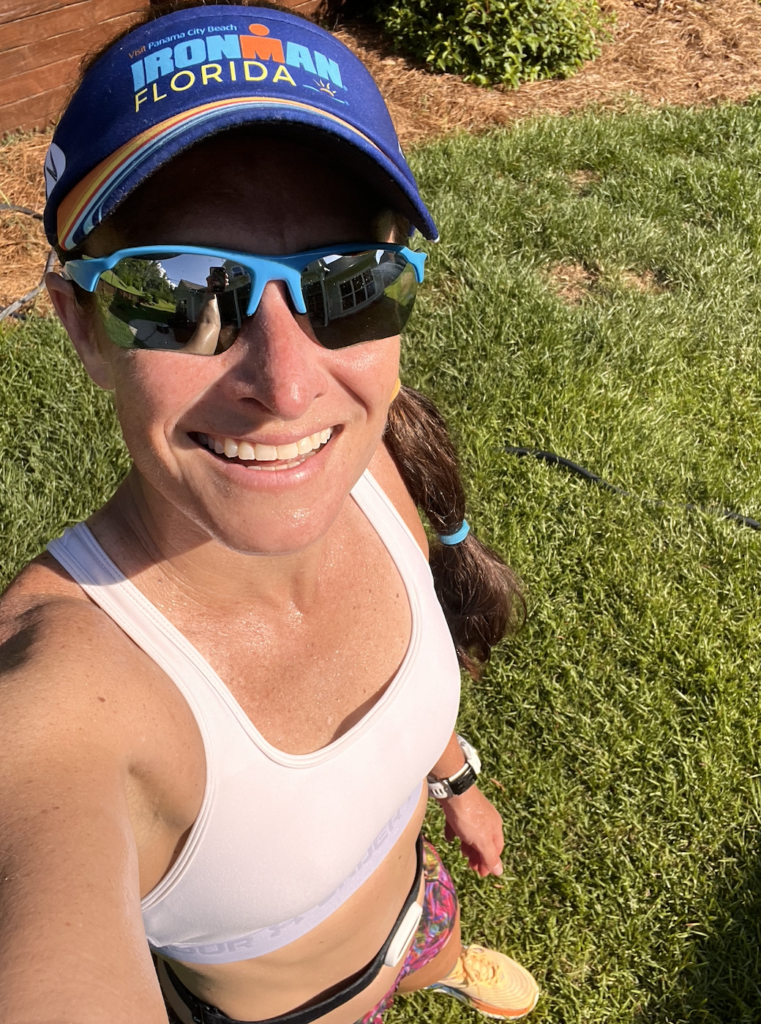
x=493 y=42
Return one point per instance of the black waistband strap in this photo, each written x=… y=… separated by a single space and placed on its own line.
x=204 y=1014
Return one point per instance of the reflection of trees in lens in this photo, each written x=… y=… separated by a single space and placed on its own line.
x=135 y=303
x=146 y=278
x=114 y=320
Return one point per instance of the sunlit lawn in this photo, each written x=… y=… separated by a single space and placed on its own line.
x=620 y=730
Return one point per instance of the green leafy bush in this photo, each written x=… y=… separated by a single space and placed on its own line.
x=495 y=41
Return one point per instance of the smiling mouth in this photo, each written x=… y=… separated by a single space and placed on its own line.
x=265 y=457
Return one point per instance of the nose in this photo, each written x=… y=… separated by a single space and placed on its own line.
x=279 y=365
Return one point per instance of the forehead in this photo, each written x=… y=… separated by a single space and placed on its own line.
x=257 y=192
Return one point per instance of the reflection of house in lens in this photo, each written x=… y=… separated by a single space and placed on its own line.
x=190 y=298
x=344 y=285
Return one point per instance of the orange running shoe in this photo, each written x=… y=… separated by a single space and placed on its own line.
x=491 y=983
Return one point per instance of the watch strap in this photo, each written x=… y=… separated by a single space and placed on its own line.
x=462 y=780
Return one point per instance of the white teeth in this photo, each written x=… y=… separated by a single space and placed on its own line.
x=265 y=452
x=248 y=452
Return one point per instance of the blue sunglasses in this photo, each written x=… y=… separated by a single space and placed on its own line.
x=192 y=299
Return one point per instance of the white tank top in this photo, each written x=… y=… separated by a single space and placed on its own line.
x=282 y=840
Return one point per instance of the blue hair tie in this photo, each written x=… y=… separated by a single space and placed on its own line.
x=450 y=539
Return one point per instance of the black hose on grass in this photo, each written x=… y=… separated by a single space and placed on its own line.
x=30 y=296
x=572 y=467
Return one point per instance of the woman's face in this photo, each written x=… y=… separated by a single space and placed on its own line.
x=276 y=385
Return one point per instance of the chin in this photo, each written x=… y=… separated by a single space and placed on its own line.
x=276 y=532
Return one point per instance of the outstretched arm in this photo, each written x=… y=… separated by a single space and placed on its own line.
x=206 y=335
x=72 y=944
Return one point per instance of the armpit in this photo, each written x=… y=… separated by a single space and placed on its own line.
x=14 y=650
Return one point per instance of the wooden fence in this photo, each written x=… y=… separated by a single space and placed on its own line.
x=42 y=43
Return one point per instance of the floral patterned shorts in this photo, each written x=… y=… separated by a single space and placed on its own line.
x=436 y=925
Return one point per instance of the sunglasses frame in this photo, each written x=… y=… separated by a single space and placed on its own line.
x=262 y=269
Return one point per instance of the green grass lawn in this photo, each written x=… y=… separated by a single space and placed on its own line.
x=620 y=730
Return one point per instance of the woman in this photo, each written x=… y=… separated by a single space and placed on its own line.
x=261 y=832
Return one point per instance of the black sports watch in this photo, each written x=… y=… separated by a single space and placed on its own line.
x=462 y=780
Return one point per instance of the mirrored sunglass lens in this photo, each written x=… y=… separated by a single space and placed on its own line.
x=185 y=302
x=180 y=302
x=359 y=297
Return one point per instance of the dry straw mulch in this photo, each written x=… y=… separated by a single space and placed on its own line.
x=663 y=51
x=23 y=248
x=672 y=51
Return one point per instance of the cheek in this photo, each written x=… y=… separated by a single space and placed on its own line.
x=151 y=394
x=370 y=370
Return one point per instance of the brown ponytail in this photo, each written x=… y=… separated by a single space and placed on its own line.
x=480 y=595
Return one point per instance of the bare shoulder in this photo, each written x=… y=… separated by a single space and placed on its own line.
x=44 y=615
x=385 y=471
x=51 y=634
x=70 y=675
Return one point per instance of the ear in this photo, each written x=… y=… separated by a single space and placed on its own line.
x=79 y=325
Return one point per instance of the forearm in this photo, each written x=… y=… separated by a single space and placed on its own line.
x=469 y=816
x=451 y=760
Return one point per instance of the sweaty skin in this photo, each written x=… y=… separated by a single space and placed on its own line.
x=276 y=577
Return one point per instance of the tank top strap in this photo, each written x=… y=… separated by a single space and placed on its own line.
x=385 y=519
x=105 y=584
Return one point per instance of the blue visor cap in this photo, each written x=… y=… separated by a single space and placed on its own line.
x=183 y=77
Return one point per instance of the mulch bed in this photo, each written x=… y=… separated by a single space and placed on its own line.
x=23 y=247
x=684 y=52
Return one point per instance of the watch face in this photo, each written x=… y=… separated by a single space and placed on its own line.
x=463 y=782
